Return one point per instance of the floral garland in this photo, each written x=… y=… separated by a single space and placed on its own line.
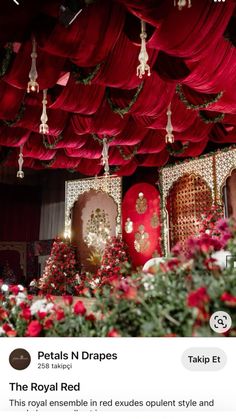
x=127 y=156
x=173 y=152
x=123 y=111
x=7 y=59
x=49 y=164
x=19 y=116
x=204 y=105
x=206 y=120
x=76 y=71
x=51 y=145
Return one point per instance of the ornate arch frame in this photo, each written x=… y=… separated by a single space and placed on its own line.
x=169 y=175
x=112 y=185
x=214 y=168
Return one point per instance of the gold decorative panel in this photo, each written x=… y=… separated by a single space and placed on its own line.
x=112 y=185
x=213 y=169
x=188 y=199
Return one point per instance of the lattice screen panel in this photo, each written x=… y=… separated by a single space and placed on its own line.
x=188 y=199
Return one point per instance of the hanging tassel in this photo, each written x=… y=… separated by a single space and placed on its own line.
x=143 y=55
x=183 y=3
x=169 y=128
x=20 y=172
x=105 y=157
x=33 y=86
x=43 y=128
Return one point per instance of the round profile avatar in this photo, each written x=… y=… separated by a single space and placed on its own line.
x=19 y=359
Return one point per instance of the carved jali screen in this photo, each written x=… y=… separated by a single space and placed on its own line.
x=189 y=198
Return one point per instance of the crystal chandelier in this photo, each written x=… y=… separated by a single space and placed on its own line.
x=182 y=3
x=43 y=128
x=143 y=55
x=169 y=128
x=20 y=172
x=33 y=86
x=105 y=157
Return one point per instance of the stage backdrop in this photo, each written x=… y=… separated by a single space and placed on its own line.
x=141 y=222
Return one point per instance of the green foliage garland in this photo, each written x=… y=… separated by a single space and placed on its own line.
x=123 y=111
x=51 y=145
x=80 y=78
x=19 y=116
x=127 y=156
x=206 y=120
x=173 y=152
x=6 y=60
x=204 y=105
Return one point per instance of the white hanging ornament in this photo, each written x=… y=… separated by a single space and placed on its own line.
x=105 y=157
x=182 y=3
x=33 y=86
x=20 y=172
x=143 y=55
x=43 y=128
x=169 y=128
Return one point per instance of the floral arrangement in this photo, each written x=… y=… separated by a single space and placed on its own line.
x=61 y=272
x=176 y=300
x=22 y=315
x=115 y=259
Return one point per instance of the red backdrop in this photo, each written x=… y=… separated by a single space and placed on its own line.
x=141 y=222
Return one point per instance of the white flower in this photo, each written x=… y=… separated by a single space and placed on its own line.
x=20 y=287
x=41 y=305
x=20 y=297
x=38 y=305
x=4 y=288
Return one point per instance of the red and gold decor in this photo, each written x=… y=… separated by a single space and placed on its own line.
x=189 y=189
x=141 y=222
x=92 y=216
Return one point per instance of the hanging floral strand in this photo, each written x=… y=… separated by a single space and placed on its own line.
x=182 y=3
x=105 y=157
x=143 y=55
x=169 y=128
x=20 y=172
x=33 y=86
x=43 y=128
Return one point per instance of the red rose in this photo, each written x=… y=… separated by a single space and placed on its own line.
x=42 y=314
x=3 y=314
x=79 y=308
x=130 y=293
x=90 y=317
x=113 y=333
x=60 y=314
x=48 y=324
x=229 y=299
x=8 y=330
x=198 y=298
x=14 y=289
x=26 y=313
x=68 y=299
x=34 y=328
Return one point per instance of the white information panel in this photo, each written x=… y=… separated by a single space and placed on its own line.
x=117 y=375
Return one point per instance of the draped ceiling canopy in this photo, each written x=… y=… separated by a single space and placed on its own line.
x=89 y=71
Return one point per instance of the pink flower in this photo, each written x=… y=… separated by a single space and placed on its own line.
x=79 y=308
